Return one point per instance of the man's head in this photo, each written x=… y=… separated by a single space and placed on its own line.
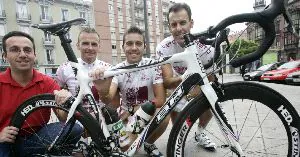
x=134 y=45
x=180 y=21
x=88 y=44
x=19 y=50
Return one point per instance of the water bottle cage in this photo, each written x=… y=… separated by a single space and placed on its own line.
x=131 y=110
x=137 y=125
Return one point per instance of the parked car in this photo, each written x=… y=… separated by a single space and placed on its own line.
x=256 y=74
x=281 y=72
x=293 y=78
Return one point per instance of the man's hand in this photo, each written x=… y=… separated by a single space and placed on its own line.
x=8 y=134
x=102 y=85
x=61 y=96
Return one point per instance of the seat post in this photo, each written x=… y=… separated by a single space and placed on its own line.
x=65 y=43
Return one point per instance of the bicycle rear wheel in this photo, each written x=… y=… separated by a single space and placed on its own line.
x=265 y=123
x=36 y=139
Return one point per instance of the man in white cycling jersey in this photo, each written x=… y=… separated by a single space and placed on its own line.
x=89 y=46
x=180 y=23
x=137 y=87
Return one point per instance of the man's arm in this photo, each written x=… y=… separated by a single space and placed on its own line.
x=159 y=94
x=110 y=96
x=169 y=80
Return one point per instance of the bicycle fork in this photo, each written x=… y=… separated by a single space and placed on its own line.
x=225 y=128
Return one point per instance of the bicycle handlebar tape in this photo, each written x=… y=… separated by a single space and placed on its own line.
x=141 y=118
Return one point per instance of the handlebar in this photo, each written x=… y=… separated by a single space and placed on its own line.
x=264 y=18
x=216 y=42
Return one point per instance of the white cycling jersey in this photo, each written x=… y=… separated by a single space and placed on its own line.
x=66 y=76
x=136 y=87
x=169 y=47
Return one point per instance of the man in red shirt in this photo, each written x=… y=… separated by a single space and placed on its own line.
x=20 y=82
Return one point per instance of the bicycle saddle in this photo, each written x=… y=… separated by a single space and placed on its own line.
x=57 y=28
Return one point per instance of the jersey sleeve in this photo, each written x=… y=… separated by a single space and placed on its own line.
x=61 y=77
x=159 y=51
x=115 y=80
x=157 y=75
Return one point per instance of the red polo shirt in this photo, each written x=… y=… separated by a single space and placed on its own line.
x=12 y=94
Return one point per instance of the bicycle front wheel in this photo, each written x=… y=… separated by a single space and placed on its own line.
x=263 y=121
x=39 y=126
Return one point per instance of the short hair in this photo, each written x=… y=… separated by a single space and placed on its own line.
x=179 y=6
x=133 y=29
x=88 y=30
x=14 y=34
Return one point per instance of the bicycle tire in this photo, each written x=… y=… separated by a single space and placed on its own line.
x=271 y=101
x=47 y=101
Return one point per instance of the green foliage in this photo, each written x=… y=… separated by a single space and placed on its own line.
x=245 y=48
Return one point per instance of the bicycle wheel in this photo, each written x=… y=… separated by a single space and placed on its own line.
x=36 y=139
x=265 y=123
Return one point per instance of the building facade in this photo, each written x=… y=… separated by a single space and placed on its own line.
x=20 y=14
x=286 y=45
x=114 y=17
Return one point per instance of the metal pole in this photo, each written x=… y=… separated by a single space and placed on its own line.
x=147 y=54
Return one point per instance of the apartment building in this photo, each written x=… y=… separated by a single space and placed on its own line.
x=114 y=17
x=20 y=14
x=286 y=45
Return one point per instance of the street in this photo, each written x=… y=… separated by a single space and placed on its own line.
x=292 y=93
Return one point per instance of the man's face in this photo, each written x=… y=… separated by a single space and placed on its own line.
x=20 y=53
x=89 y=46
x=134 y=47
x=179 y=24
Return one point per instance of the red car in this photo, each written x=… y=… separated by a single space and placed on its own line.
x=281 y=72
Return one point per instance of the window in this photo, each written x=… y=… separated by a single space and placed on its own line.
x=22 y=10
x=65 y=14
x=113 y=46
x=82 y=14
x=45 y=12
x=110 y=7
x=50 y=56
x=47 y=36
x=25 y=29
x=50 y=71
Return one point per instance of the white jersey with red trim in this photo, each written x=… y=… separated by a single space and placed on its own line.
x=169 y=47
x=136 y=87
x=66 y=76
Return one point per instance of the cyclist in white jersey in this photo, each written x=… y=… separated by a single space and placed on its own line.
x=180 y=23
x=137 y=87
x=89 y=46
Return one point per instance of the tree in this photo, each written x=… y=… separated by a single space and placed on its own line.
x=246 y=47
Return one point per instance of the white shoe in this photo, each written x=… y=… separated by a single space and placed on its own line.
x=203 y=141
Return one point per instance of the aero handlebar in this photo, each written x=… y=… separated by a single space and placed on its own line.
x=264 y=18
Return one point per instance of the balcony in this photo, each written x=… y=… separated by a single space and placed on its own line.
x=260 y=3
x=2 y=15
x=48 y=42
x=139 y=5
x=51 y=61
x=23 y=18
x=46 y=19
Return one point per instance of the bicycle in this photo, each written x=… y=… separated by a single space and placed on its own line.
x=213 y=96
